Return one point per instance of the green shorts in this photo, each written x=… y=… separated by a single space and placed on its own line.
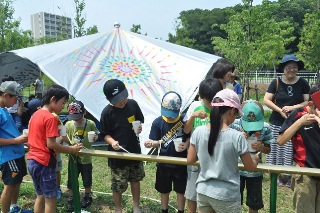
x=121 y=176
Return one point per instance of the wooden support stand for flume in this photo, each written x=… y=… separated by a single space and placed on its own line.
x=272 y=169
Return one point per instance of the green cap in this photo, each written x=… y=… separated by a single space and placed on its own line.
x=253 y=116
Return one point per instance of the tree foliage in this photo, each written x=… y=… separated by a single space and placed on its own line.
x=255 y=38
x=9 y=30
x=79 y=19
x=309 y=46
x=194 y=28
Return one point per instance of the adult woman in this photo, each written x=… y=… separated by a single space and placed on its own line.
x=283 y=95
x=222 y=70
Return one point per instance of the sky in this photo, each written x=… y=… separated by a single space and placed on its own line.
x=156 y=17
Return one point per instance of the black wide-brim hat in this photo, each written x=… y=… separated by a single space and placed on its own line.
x=288 y=58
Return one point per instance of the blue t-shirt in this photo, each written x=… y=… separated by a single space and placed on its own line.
x=162 y=129
x=237 y=87
x=8 y=130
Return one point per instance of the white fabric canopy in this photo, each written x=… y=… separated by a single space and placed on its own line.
x=149 y=68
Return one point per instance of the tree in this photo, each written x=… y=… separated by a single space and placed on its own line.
x=195 y=28
x=8 y=26
x=255 y=38
x=294 y=12
x=136 y=28
x=92 y=30
x=309 y=46
x=79 y=19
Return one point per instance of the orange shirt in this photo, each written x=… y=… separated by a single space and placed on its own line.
x=43 y=124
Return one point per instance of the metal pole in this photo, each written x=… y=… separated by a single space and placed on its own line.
x=75 y=183
x=273 y=192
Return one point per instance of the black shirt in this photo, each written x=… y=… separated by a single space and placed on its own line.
x=287 y=95
x=306 y=141
x=116 y=122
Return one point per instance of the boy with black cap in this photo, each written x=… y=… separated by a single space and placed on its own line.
x=116 y=129
x=164 y=130
x=252 y=125
x=12 y=162
x=77 y=129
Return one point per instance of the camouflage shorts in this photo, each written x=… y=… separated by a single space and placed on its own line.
x=306 y=195
x=121 y=176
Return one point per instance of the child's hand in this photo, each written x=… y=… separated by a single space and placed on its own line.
x=308 y=119
x=148 y=144
x=21 y=139
x=200 y=114
x=115 y=145
x=257 y=146
x=76 y=148
x=182 y=147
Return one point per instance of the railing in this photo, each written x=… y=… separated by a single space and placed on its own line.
x=265 y=77
x=273 y=170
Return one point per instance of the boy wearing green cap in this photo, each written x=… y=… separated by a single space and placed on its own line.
x=259 y=133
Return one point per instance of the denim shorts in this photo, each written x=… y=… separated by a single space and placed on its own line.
x=44 y=179
x=13 y=171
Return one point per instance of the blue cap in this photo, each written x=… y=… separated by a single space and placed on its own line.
x=171 y=104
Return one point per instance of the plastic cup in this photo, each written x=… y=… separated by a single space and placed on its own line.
x=91 y=135
x=250 y=142
x=62 y=130
x=58 y=139
x=25 y=132
x=177 y=143
x=136 y=125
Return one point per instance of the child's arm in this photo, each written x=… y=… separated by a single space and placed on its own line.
x=192 y=154
x=306 y=119
x=114 y=144
x=10 y=141
x=250 y=162
x=152 y=144
x=51 y=144
x=259 y=146
x=189 y=124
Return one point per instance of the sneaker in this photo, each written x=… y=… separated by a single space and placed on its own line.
x=17 y=209
x=59 y=194
x=70 y=207
x=86 y=202
x=280 y=182
x=288 y=184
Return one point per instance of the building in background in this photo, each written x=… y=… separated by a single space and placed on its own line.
x=50 y=25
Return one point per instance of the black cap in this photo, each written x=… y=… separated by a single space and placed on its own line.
x=115 y=91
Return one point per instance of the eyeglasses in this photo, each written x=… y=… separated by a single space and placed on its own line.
x=291 y=68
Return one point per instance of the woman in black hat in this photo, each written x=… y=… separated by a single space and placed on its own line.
x=283 y=95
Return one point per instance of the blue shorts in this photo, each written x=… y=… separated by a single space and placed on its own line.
x=44 y=179
x=13 y=171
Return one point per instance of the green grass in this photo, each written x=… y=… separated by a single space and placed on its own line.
x=103 y=201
